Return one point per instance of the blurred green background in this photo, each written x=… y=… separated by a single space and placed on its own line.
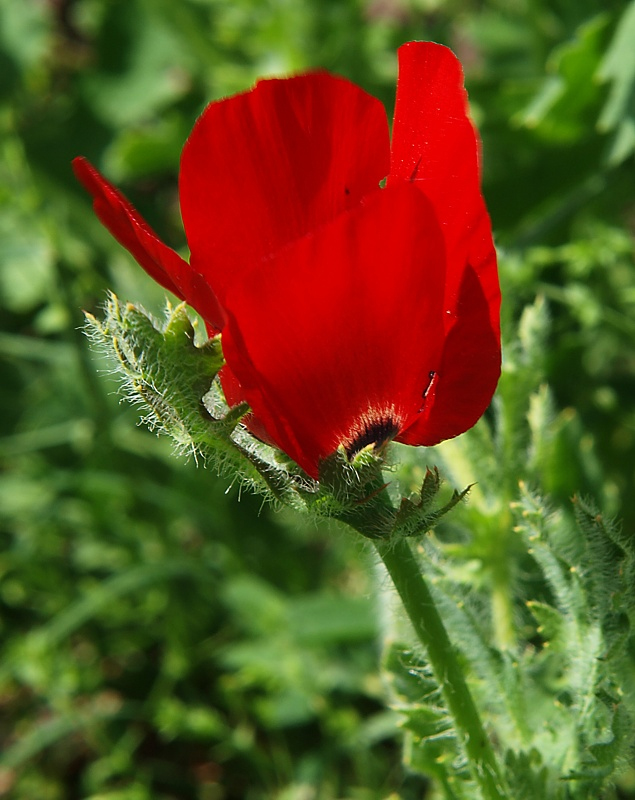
x=162 y=636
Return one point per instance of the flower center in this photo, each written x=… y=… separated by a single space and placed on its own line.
x=376 y=431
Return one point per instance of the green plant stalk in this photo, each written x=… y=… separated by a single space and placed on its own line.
x=422 y=611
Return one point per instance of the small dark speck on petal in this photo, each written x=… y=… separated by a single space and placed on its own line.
x=432 y=376
x=413 y=176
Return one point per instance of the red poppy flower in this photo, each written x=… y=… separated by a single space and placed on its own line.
x=350 y=314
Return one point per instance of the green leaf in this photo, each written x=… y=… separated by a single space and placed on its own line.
x=142 y=67
x=25 y=32
x=618 y=68
x=528 y=777
x=550 y=621
x=565 y=106
x=328 y=619
x=418 y=515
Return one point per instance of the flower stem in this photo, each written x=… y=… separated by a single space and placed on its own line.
x=422 y=611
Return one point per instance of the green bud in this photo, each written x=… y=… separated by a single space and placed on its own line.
x=174 y=379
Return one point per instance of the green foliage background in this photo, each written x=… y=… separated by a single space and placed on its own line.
x=159 y=638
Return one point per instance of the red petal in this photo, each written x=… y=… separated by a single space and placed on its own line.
x=133 y=232
x=468 y=374
x=343 y=329
x=434 y=144
x=266 y=167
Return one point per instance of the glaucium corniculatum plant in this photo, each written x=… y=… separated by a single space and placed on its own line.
x=350 y=313
x=349 y=289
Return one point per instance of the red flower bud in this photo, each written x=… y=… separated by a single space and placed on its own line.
x=350 y=314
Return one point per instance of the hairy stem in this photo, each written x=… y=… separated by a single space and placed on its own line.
x=422 y=611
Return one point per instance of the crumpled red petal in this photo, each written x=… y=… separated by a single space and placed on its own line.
x=129 y=228
x=340 y=335
x=264 y=168
x=435 y=145
x=435 y=148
